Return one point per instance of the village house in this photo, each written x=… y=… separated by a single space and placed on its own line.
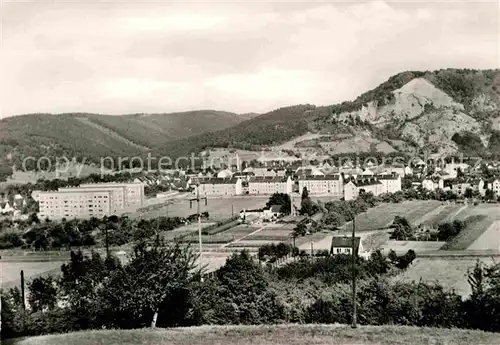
x=323 y=185
x=432 y=183
x=459 y=186
x=226 y=173
x=264 y=172
x=259 y=185
x=245 y=176
x=343 y=245
x=273 y=212
x=495 y=187
x=308 y=171
x=216 y=186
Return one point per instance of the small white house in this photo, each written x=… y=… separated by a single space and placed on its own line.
x=343 y=245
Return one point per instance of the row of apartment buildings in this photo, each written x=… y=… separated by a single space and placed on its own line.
x=90 y=200
x=327 y=185
x=459 y=185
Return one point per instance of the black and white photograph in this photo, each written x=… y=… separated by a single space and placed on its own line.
x=249 y=172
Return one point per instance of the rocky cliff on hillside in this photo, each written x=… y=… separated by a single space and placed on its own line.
x=423 y=115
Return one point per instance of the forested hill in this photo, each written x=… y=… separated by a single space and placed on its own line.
x=94 y=136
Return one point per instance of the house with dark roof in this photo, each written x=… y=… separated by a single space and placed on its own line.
x=344 y=244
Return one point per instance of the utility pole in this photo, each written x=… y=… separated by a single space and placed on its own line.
x=1 y=298
x=353 y=254
x=107 y=242
x=198 y=199
x=22 y=290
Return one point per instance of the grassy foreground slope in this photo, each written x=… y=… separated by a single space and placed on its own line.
x=267 y=335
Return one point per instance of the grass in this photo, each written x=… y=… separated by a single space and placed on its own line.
x=451 y=273
x=11 y=271
x=443 y=215
x=470 y=234
x=382 y=216
x=375 y=240
x=276 y=335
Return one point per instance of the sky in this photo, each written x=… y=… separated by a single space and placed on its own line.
x=119 y=57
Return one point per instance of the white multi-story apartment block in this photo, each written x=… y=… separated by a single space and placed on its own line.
x=270 y=185
x=90 y=200
x=219 y=186
x=353 y=188
x=390 y=183
x=322 y=185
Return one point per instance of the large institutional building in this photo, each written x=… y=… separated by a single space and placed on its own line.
x=331 y=185
x=269 y=185
x=218 y=186
x=90 y=200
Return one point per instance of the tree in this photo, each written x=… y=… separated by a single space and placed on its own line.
x=333 y=220
x=405 y=260
x=489 y=195
x=239 y=294
x=42 y=293
x=468 y=193
x=138 y=293
x=282 y=199
x=305 y=194
x=300 y=229
x=402 y=229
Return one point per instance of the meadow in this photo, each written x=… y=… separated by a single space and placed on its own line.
x=382 y=216
x=449 y=272
x=10 y=272
x=288 y=334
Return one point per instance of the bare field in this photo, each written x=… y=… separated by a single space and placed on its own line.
x=449 y=272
